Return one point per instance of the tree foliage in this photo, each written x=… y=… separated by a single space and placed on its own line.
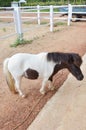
x=5 y=3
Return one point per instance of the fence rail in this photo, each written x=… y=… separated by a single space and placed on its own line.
x=16 y=14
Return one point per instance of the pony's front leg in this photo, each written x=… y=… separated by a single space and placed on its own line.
x=42 y=90
x=51 y=87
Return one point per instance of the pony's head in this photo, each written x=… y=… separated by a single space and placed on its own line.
x=74 y=63
x=71 y=61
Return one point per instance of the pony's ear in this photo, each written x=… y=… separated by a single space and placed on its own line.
x=70 y=59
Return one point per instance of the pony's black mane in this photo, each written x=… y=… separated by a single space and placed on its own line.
x=57 y=56
x=64 y=57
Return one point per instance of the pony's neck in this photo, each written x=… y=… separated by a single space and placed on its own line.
x=57 y=68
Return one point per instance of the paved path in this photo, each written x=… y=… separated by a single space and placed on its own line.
x=66 y=110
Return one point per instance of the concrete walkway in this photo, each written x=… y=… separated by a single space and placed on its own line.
x=66 y=110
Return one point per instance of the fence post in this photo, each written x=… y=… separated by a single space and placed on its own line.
x=51 y=18
x=18 y=23
x=69 y=14
x=38 y=14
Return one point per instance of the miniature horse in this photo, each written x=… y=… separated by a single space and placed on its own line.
x=43 y=65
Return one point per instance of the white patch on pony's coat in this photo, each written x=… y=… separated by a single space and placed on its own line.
x=20 y=62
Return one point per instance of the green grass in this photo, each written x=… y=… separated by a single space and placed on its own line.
x=4 y=29
x=59 y=24
x=20 y=42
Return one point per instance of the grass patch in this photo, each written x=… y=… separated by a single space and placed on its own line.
x=43 y=22
x=20 y=42
x=56 y=30
x=59 y=24
x=43 y=10
x=27 y=22
x=48 y=10
x=4 y=29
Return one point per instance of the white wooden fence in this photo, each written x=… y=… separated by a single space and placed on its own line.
x=17 y=18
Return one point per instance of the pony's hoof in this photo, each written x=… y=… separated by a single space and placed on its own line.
x=42 y=92
x=23 y=95
x=51 y=88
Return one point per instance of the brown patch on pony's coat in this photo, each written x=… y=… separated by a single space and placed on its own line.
x=31 y=74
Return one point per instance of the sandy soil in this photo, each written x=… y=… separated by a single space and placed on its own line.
x=17 y=113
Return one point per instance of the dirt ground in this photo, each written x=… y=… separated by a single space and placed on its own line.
x=17 y=113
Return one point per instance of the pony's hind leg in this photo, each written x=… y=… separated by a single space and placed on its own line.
x=18 y=85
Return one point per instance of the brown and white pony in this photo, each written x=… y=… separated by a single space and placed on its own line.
x=43 y=65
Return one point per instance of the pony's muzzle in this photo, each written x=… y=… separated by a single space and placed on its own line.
x=80 y=77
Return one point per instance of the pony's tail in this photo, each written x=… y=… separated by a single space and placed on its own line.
x=8 y=76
